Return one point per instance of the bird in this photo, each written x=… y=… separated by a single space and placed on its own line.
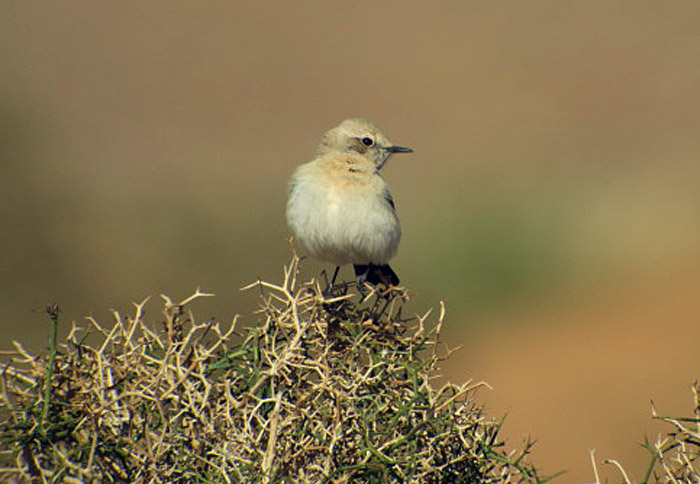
x=340 y=210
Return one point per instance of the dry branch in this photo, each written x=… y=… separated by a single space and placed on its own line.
x=323 y=389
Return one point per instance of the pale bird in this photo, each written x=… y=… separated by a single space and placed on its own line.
x=340 y=209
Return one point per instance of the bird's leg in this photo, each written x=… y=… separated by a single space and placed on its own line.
x=335 y=275
x=329 y=289
x=361 y=274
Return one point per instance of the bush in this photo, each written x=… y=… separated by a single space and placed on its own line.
x=675 y=457
x=321 y=390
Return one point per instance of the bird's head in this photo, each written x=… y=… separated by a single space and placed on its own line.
x=360 y=136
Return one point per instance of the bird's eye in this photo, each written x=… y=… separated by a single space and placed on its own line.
x=367 y=141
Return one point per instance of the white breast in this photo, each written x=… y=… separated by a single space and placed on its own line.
x=340 y=222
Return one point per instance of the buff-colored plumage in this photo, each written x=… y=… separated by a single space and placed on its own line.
x=340 y=209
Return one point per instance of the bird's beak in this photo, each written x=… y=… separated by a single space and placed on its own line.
x=398 y=149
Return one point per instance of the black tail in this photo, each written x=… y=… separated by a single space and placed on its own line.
x=376 y=274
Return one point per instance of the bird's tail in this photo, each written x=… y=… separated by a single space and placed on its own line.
x=376 y=274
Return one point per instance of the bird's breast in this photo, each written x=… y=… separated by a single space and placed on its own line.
x=342 y=216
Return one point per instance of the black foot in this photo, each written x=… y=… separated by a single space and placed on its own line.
x=328 y=292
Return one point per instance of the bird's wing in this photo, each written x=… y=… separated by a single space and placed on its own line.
x=389 y=199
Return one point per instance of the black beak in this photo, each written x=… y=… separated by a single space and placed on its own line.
x=398 y=149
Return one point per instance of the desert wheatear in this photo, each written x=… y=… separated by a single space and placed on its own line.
x=340 y=209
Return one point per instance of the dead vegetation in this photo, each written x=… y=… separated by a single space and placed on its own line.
x=674 y=458
x=320 y=390
x=323 y=389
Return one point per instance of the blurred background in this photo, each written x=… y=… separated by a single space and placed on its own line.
x=552 y=200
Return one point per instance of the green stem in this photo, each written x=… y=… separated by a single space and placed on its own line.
x=52 y=312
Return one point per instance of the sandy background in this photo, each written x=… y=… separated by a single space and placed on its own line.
x=552 y=200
